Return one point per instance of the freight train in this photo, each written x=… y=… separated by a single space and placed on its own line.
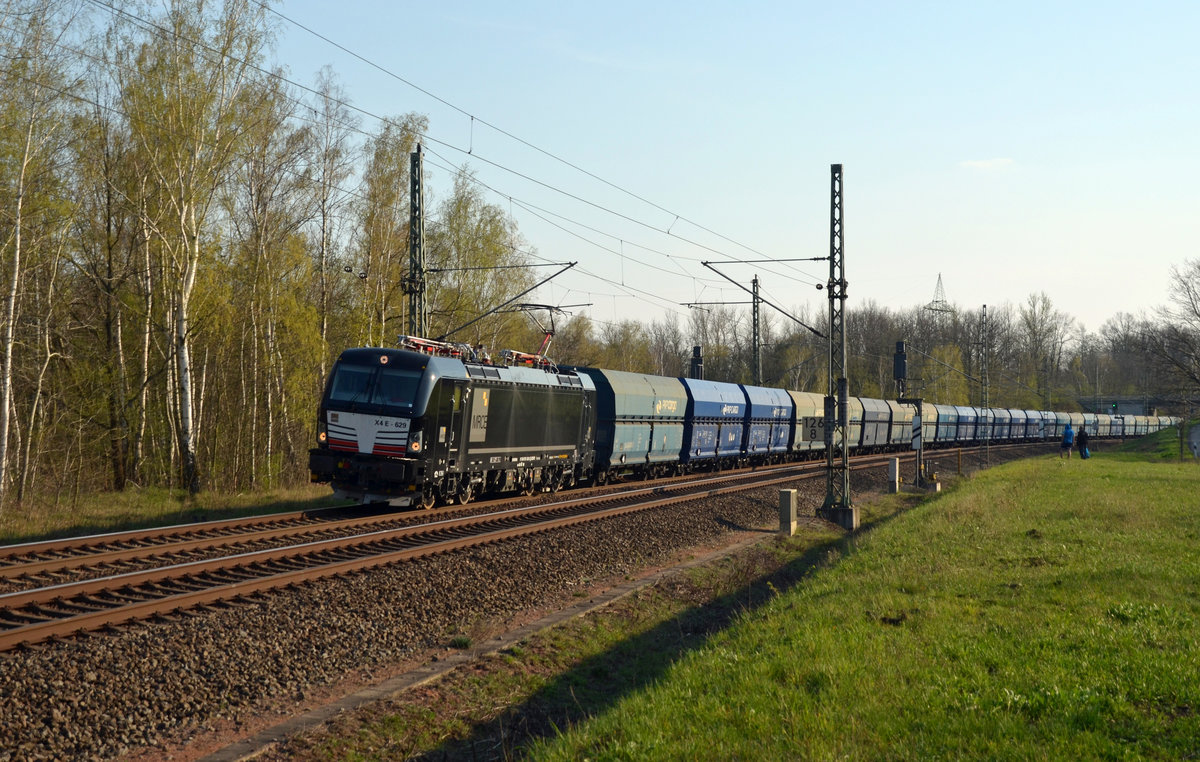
x=432 y=422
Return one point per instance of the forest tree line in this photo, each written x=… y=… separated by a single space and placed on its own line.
x=187 y=241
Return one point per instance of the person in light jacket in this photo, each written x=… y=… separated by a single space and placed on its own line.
x=1068 y=441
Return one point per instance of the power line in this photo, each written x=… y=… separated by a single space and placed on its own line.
x=507 y=134
x=530 y=208
x=304 y=108
x=157 y=29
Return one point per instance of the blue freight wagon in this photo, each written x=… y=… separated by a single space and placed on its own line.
x=768 y=422
x=715 y=422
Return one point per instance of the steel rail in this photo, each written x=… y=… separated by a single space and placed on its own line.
x=67 y=563
x=162 y=575
x=191 y=568
x=44 y=606
x=95 y=550
x=94 y=544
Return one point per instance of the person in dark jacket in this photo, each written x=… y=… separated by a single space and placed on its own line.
x=1068 y=441
x=1081 y=442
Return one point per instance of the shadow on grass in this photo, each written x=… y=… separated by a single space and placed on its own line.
x=597 y=683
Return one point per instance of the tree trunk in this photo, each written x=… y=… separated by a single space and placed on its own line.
x=189 y=473
x=10 y=317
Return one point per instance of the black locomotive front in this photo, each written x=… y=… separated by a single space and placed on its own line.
x=371 y=425
x=408 y=428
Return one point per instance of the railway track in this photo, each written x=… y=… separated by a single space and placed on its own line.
x=32 y=616
x=52 y=562
x=55 y=555
x=43 y=613
x=43 y=564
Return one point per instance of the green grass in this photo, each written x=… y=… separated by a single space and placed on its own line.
x=137 y=508
x=1166 y=445
x=1044 y=610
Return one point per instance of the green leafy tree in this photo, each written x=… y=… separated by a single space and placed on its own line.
x=482 y=266
x=184 y=90
x=268 y=203
x=332 y=166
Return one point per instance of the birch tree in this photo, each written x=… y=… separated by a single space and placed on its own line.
x=33 y=126
x=479 y=251
x=268 y=205
x=332 y=168
x=184 y=93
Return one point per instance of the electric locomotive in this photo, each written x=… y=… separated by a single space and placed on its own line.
x=433 y=421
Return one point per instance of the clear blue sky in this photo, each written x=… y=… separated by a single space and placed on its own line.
x=1012 y=147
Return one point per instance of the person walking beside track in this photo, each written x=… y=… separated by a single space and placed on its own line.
x=1081 y=442
x=1068 y=441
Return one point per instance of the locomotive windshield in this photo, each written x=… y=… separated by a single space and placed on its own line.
x=374 y=385
x=395 y=386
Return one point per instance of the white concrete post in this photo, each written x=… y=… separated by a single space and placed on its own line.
x=787 y=512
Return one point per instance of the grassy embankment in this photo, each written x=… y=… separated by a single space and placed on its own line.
x=1043 y=610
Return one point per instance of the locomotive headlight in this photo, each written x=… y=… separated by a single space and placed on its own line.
x=322 y=433
x=414 y=445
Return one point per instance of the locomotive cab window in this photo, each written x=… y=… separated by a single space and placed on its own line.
x=396 y=387
x=350 y=383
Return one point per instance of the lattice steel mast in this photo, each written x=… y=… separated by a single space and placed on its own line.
x=837 y=505
x=418 y=311
x=757 y=335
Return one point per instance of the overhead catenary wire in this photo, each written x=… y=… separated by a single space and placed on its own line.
x=538 y=212
x=155 y=28
x=501 y=131
x=468 y=151
x=436 y=223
